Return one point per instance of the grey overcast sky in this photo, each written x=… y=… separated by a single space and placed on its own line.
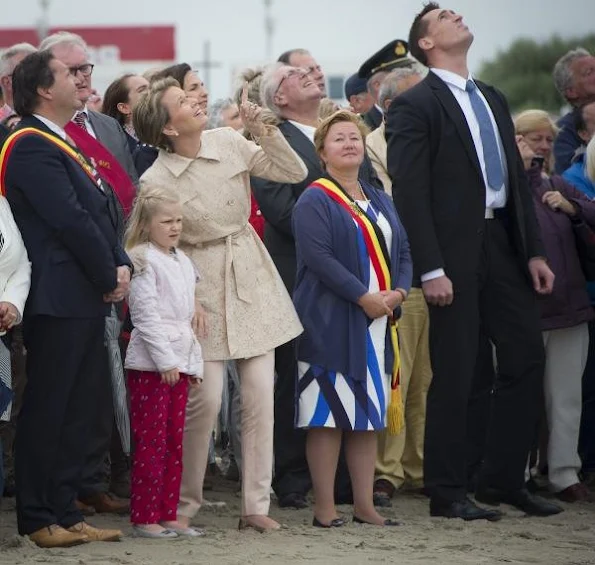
x=338 y=32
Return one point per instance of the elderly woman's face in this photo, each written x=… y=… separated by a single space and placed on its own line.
x=343 y=146
x=231 y=117
x=185 y=114
x=540 y=141
x=195 y=88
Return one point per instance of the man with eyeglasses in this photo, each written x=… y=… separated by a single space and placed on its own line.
x=302 y=59
x=293 y=95
x=102 y=139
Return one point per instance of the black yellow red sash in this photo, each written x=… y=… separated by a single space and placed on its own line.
x=61 y=144
x=380 y=263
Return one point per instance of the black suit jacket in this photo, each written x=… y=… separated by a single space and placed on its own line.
x=373 y=118
x=438 y=186
x=276 y=201
x=68 y=227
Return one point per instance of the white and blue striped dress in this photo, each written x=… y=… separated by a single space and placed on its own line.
x=328 y=399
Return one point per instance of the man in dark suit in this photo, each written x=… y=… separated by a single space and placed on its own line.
x=78 y=270
x=293 y=95
x=461 y=191
x=392 y=56
x=100 y=480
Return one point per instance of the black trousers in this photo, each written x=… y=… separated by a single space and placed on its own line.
x=66 y=365
x=501 y=301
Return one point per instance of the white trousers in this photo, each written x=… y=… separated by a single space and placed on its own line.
x=565 y=359
x=257 y=419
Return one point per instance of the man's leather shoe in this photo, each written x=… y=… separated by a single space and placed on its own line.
x=464 y=509
x=383 y=492
x=522 y=499
x=55 y=536
x=95 y=534
x=84 y=509
x=577 y=492
x=293 y=500
x=106 y=502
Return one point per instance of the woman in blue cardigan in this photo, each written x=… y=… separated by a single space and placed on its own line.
x=354 y=272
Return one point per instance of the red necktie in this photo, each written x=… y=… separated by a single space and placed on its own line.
x=79 y=120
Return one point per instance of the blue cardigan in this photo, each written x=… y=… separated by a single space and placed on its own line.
x=331 y=278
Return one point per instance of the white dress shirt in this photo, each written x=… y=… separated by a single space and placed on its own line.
x=494 y=198
x=51 y=125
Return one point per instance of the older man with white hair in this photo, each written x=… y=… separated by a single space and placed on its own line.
x=574 y=77
x=293 y=94
x=10 y=58
x=396 y=82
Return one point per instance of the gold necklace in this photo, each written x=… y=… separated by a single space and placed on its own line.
x=354 y=205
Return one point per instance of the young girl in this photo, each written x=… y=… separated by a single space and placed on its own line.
x=163 y=359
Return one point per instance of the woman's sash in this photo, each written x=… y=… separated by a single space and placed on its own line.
x=378 y=252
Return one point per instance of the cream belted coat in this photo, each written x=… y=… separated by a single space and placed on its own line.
x=249 y=310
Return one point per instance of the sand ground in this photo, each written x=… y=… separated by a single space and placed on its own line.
x=568 y=538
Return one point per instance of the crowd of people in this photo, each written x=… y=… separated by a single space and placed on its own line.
x=394 y=295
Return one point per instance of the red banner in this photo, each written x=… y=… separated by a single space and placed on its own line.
x=138 y=43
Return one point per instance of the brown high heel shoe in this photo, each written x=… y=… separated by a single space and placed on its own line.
x=246 y=522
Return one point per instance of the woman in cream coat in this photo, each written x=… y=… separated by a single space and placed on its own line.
x=243 y=310
x=15 y=280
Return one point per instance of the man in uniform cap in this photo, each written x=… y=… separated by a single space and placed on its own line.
x=391 y=56
x=356 y=93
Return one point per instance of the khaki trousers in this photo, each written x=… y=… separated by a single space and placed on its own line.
x=566 y=352
x=256 y=391
x=400 y=457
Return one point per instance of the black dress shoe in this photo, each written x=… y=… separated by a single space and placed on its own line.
x=293 y=500
x=522 y=499
x=336 y=523
x=387 y=522
x=464 y=509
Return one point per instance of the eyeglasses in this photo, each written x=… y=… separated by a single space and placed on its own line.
x=86 y=70
x=300 y=73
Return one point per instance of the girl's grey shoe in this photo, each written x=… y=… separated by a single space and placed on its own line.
x=143 y=533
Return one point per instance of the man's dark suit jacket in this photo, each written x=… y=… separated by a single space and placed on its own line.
x=566 y=143
x=68 y=227
x=373 y=118
x=276 y=201
x=438 y=186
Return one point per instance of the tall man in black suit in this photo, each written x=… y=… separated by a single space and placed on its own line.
x=461 y=191
x=294 y=96
x=78 y=270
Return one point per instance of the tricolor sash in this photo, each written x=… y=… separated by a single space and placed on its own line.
x=108 y=166
x=11 y=140
x=380 y=259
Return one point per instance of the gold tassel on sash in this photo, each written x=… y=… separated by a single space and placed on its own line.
x=396 y=411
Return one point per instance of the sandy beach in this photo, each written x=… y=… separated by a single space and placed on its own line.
x=568 y=538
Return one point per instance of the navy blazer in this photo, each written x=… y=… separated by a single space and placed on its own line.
x=68 y=228
x=331 y=278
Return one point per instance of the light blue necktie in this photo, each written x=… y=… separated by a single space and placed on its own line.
x=491 y=155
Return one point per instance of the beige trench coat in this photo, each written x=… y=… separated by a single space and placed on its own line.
x=249 y=310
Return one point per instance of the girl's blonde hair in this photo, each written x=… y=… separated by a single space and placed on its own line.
x=147 y=202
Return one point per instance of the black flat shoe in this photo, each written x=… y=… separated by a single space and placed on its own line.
x=293 y=500
x=336 y=523
x=464 y=509
x=522 y=499
x=387 y=522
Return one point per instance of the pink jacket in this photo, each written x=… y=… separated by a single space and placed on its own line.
x=162 y=307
